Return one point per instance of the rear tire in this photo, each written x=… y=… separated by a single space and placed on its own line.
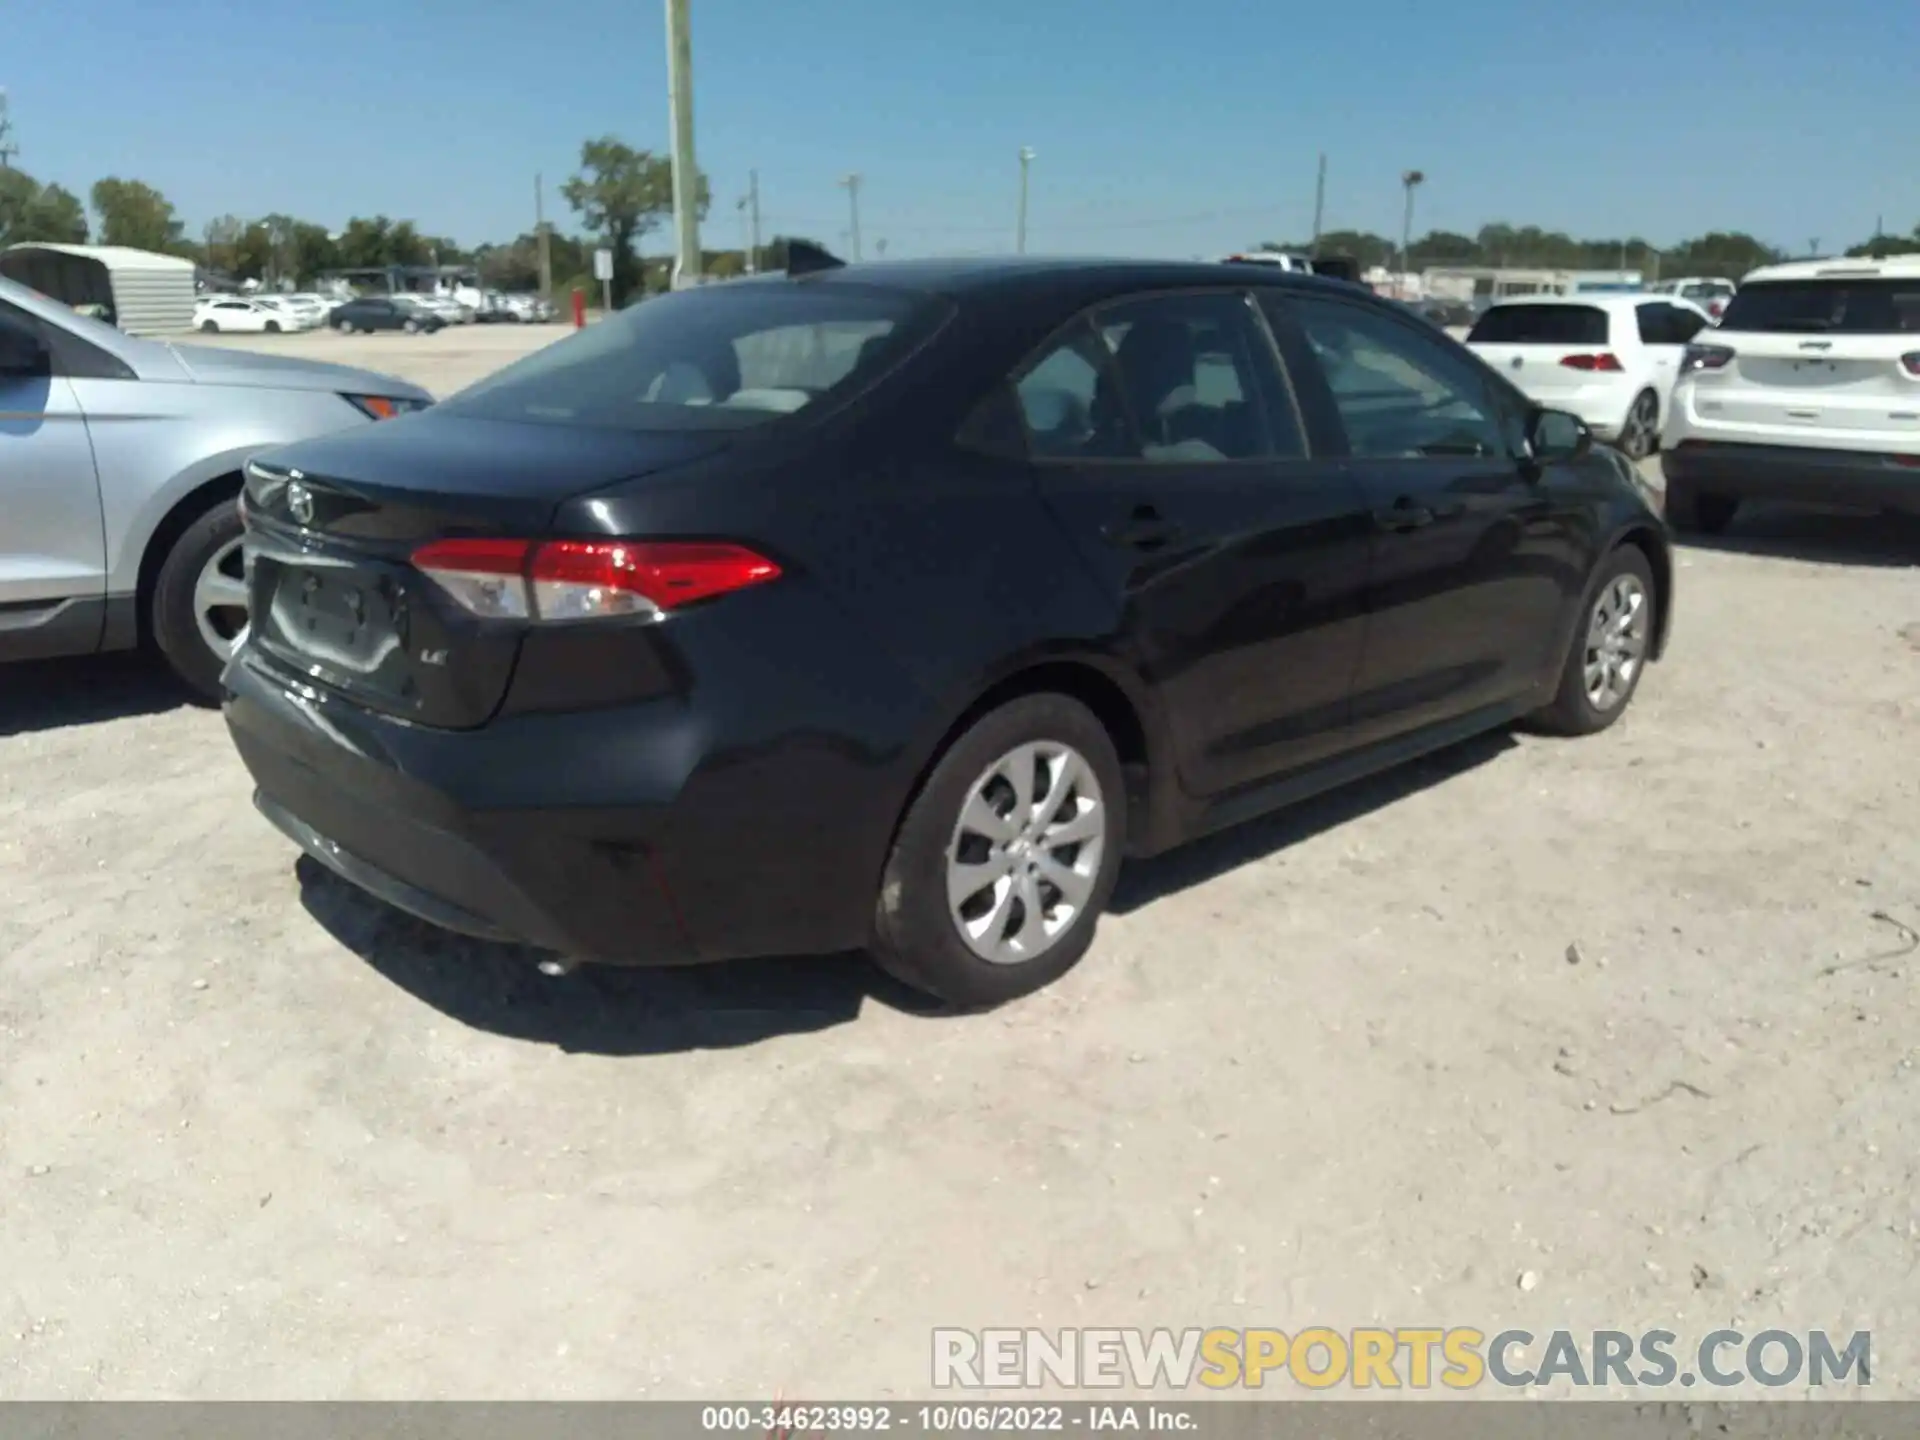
x=273 y=327
x=177 y=595
x=1699 y=514
x=1612 y=643
x=412 y=327
x=1640 y=431
x=208 y=327
x=1022 y=851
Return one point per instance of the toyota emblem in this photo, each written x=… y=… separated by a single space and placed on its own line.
x=300 y=503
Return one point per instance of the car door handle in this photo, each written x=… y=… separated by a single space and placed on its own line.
x=1403 y=514
x=1144 y=529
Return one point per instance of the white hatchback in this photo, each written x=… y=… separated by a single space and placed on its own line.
x=1610 y=359
x=1807 y=391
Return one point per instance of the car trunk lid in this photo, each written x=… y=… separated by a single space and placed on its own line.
x=332 y=525
x=1855 y=383
x=1548 y=350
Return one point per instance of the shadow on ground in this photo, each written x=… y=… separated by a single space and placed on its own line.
x=1146 y=881
x=615 y=1011
x=53 y=694
x=599 y=1010
x=1833 y=537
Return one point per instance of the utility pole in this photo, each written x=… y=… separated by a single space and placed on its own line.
x=1412 y=180
x=8 y=149
x=1319 y=202
x=1020 y=233
x=1813 y=248
x=686 y=179
x=540 y=234
x=753 y=209
x=852 y=182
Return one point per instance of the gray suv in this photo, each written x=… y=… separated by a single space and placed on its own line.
x=120 y=462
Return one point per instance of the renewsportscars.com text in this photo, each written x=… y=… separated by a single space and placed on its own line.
x=1460 y=1358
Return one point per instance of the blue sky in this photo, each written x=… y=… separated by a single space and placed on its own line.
x=1164 y=129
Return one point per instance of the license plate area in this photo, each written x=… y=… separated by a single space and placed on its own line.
x=350 y=621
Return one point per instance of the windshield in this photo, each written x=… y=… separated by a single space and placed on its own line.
x=1540 y=325
x=1848 y=306
x=723 y=357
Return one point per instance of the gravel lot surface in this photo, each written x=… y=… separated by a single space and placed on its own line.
x=1636 y=1018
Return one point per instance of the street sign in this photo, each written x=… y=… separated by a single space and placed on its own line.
x=603 y=265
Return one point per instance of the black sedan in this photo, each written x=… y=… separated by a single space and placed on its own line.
x=384 y=312
x=890 y=606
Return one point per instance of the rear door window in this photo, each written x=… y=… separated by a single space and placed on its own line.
x=1541 y=325
x=1867 y=305
x=721 y=357
x=1199 y=379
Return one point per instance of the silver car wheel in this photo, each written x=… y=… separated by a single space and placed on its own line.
x=220 y=600
x=1617 y=635
x=1026 y=852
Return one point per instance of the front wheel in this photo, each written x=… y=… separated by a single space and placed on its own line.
x=273 y=327
x=200 y=600
x=412 y=327
x=1640 y=434
x=209 y=327
x=1005 y=859
x=1610 y=647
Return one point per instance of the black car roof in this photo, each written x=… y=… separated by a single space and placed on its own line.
x=966 y=278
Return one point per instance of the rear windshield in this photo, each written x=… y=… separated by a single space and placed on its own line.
x=1866 y=306
x=721 y=357
x=1541 y=325
x=1705 y=293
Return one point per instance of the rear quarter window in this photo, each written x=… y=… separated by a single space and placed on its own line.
x=1541 y=325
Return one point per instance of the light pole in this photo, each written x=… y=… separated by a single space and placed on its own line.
x=686 y=179
x=1411 y=180
x=1020 y=232
x=852 y=182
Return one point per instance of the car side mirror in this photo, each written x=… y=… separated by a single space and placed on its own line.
x=1556 y=437
x=23 y=354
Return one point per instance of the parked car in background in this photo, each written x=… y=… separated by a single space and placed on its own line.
x=298 y=316
x=119 y=466
x=384 y=312
x=1610 y=359
x=1710 y=293
x=450 y=310
x=1808 y=390
x=235 y=316
x=920 y=594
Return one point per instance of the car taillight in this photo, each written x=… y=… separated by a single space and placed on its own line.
x=1715 y=308
x=1910 y=362
x=1606 y=361
x=1704 y=357
x=561 y=580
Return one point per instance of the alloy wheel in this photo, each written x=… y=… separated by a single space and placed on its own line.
x=1617 y=635
x=1026 y=852
x=220 y=600
x=1641 y=432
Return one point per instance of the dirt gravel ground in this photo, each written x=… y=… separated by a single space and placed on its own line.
x=1626 y=1016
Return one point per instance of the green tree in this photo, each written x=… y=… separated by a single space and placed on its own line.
x=32 y=211
x=1881 y=246
x=621 y=194
x=133 y=213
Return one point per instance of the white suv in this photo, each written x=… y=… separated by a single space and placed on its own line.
x=1808 y=390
